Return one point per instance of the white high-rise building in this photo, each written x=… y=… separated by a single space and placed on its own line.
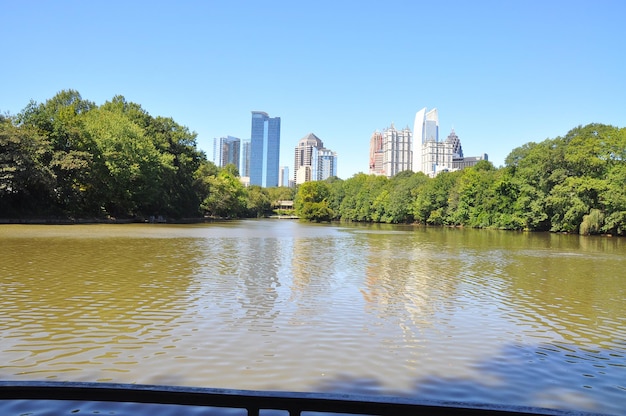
x=390 y=151
x=425 y=129
x=327 y=164
x=396 y=150
x=313 y=162
x=283 y=178
x=431 y=156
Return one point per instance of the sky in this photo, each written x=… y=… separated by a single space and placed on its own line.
x=502 y=73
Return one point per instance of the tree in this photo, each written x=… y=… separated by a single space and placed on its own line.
x=226 y=196
x=73 y=153
x=432 y=198
x=133 y=167
x=26 y=182
x=311 y=202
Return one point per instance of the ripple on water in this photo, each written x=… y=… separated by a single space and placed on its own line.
x=420 y=313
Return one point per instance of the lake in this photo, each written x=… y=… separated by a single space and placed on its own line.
x=534 y=319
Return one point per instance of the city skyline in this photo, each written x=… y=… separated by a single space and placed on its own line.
x=503 y=73
x=393 y=151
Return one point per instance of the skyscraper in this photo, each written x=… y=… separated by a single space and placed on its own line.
x=226 y=150
x=244 y=170
x=390 y=151
x=376 y=154
x=264 y=149
x=396 y=150
x=283 y=179
x=425 y=129
x=327 y=164
x=313 y=162
x=431 y=156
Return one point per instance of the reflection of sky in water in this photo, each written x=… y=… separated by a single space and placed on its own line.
x=437 y=313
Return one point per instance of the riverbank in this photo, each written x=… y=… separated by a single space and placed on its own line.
x=69 y=221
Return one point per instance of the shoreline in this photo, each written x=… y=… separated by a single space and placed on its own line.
x=70 y=221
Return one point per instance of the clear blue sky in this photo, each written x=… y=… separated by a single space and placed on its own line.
x=502 y=73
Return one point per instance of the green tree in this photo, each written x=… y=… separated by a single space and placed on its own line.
x=613 y=200
x=258 y=201
x=26 y=181
x=74 y=155
x=434 y=197
x=226 y=197
x=311 y=201
x=133 y=167
x=180 y=158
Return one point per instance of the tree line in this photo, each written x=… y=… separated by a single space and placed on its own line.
x=69 y=158
x=575 y=183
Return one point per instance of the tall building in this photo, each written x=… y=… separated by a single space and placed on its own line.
x=226 y=150
x=390 y=151
x=313 y=162
x=457 y=149
x=264 y=149
x=244 y=170
x=431 y=156
x=376 y=154
x=425 y=130
x=283 y=179
x=327 y=164
x=396 y=150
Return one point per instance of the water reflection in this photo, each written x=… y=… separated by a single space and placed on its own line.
x=451 y=314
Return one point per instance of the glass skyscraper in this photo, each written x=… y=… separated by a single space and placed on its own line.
x=425 y=132
x=431 y=156
x=244 y=170
x=226 y=151
x=264 y=149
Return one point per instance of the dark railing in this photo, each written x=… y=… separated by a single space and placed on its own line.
x=254 y=401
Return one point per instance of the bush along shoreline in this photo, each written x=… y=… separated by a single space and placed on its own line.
x=69 y=160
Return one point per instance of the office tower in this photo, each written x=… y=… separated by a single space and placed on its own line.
x=264 y=149
x=305 y=158
x=396 y=150
x=376 y=154
x=431 y=156
x=457 y=149
x=283 y=179
x=313 y=162
x=425 y=130
x=226 y=150
x=244 y=170
x=327 y=164
x=390 y=151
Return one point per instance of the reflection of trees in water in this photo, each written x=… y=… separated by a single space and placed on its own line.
x=312 y=269
x=403 y=279
x=240 y=277
x=258 y=282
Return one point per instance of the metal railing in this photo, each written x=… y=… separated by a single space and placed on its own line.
x=254 y=401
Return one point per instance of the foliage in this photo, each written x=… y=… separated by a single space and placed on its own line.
x=226 y=196
x=575 y=183
x=311 y=202
x=69 y=157
x=26 y=180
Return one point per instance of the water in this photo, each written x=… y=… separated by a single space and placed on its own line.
x=430 y=313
